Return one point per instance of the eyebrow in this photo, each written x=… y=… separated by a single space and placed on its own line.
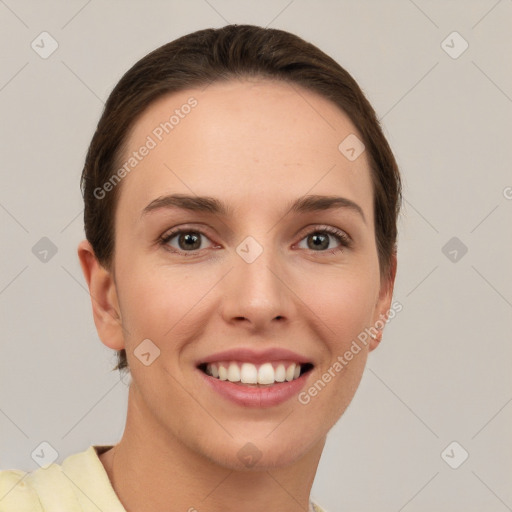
x=207 y=204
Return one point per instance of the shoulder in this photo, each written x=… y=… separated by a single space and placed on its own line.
x=44 y=489
x=316 y=508
x=16 y=493
x=36 y=491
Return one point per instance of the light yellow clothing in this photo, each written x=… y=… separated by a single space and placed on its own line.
x=80 y=484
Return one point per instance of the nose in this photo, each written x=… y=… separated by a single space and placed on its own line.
x=255 y=293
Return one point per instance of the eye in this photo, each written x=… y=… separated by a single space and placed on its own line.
x=319 y=239
x=187 y=240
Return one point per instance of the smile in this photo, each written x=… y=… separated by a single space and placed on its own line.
x=266 y=374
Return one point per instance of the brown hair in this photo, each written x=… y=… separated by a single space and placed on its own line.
x=213 y=55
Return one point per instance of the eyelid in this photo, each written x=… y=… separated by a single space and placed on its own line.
x=345 y=239
x=172 y=232
x=313 y=228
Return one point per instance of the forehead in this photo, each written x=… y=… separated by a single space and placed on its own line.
x=246 y=141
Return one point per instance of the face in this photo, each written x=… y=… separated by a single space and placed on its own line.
x=252 y=287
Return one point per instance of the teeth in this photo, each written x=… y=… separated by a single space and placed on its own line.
x=280 y=374
x=248 y=373
x=233 y=373
x=223 y=373
x=290 y=372
x=266 y=374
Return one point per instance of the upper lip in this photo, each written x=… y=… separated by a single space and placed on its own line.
x=255 y=356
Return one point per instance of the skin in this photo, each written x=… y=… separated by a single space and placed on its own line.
x=257 y=145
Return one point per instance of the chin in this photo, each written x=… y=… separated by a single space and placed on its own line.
x=261 y=454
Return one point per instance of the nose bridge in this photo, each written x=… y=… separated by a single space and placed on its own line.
x=258 y=264
x=256 y=291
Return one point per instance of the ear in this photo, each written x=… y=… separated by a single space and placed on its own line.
x=105 y=305
x=384 y=300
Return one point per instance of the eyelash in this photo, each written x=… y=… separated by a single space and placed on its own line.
x=344 y=240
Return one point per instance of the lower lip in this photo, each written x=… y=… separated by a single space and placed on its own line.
x=249 y=396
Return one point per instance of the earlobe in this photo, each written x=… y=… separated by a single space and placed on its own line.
x=103 y=293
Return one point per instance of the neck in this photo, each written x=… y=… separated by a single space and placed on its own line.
x=150 y=469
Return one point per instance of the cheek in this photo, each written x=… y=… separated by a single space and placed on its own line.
x=345 y=303
x=157 y=305
x=155 y=299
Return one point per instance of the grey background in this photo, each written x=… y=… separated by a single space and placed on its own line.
x=442 y=372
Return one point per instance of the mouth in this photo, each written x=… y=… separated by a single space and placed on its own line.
x=255 y=378
x=262 y=375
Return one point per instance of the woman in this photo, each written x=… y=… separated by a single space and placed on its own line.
x=240 y=213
